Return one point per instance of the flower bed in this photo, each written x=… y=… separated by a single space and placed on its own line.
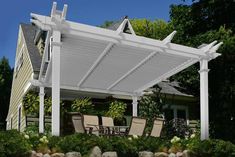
x=13 y=143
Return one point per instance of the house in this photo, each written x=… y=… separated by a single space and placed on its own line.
x=29 y=52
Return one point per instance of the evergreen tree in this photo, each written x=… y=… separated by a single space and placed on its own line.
x=5 y=89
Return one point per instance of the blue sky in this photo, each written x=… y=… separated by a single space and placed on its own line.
x=92 y=12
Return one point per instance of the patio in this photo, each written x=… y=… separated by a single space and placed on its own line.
x=92 y=59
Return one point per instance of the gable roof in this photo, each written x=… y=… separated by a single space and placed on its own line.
x=29 y=32
x=172 y=88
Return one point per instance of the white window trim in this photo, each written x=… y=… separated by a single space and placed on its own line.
x=178 y=107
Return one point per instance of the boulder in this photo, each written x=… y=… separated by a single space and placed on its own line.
x=57 y=155
x=145 y=154
x=39 y=155
x=160 y=154
x=172 y=155
x=109 y=154
x=46 y=155
x=73 y=154
x=179 y=154
x=33 y=154
x=186 y=153
x=96 y=152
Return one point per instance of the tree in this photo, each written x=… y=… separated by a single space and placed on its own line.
x=5 y=88
x=150 y=106
x=203 y=22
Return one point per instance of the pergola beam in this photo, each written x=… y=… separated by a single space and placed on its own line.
x=96 y=63
x=73 y=28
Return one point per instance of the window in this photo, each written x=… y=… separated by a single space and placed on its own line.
x=19 y=61
x=176 y=111
x=19 y=117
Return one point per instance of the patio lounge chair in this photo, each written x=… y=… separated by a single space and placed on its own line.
x=157 y=127
x=137 y=126
x=107 y=123
x=78 y=123
x=91 y=124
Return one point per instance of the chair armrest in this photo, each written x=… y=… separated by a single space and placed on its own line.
x=88 y=130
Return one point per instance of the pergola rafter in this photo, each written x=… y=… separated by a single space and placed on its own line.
x=97 y=60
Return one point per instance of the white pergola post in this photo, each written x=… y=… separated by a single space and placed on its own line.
x=204 y=99
x=56 y=47
x=134 y=106
x=41 y=110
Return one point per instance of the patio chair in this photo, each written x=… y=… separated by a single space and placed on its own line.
x=107 y=123
x=157 y=127
x=137 y=126
x=91 y=124
x=78 y=123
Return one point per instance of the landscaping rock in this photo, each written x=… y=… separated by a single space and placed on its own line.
x=39 y=155
x=73 y=154
x=172 y=155
x=96 y=152
x=145 y=154
x=57 y=155
x=160 y=154
x=33 y=154
x=109 y=154
x=179 y=154
x=46 y=155
x=186 y=153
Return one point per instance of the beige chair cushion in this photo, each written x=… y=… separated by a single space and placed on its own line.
x=77 y=123
x=157 y=128
x=107 y=121
x=91 y=122
x=137 y=126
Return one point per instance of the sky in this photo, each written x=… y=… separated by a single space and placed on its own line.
x=92 y=12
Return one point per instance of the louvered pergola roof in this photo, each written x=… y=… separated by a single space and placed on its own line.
x=99 y=60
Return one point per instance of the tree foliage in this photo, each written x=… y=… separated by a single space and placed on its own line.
x=203 y=22
x=5 y=88
x=150 y=106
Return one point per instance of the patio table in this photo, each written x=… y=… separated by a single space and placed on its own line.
x=112 y=130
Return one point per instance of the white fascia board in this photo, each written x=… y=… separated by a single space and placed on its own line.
x=74 y=28
x=167 y=75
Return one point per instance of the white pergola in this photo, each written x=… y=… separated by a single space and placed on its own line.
x=91 y=59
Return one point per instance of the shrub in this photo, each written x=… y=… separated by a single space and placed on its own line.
x=83 y=105
x=116 y=111
x=176 y=127
x=13 y=144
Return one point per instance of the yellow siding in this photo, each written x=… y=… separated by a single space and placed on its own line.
x=19 y=83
